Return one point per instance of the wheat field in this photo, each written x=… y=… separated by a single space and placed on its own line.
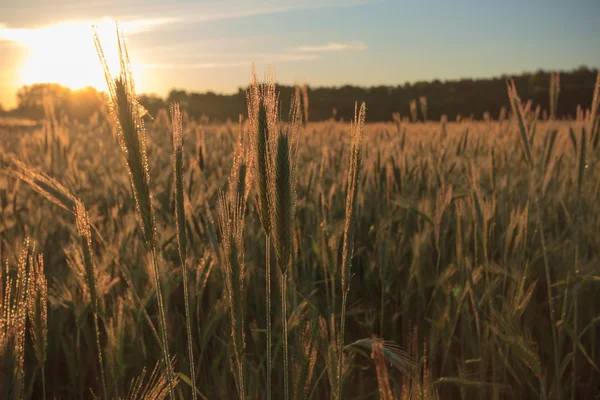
x=275 y=257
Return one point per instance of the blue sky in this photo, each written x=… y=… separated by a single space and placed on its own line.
x=209 y=45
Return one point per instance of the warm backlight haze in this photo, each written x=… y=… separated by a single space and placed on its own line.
x=74 y=64
x=65 y=54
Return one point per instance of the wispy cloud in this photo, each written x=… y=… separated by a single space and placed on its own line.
x=241 y=10
x=244 y=60
x=333 y=47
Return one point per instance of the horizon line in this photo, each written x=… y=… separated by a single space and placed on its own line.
x=13 y=105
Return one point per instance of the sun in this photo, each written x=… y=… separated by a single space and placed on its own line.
x=65 y=54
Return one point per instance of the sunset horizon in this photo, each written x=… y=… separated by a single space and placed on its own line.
x=202 y=46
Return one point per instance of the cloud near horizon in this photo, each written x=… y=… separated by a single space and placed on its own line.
x=333 y=47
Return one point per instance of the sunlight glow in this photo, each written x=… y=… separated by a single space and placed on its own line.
x=65 y=53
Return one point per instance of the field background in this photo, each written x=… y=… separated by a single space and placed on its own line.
x=463 y=251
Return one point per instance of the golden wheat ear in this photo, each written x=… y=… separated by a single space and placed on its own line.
x=262 y=117
x=14 y=307
x=125 y=111
x=520 y=113
x=305 y=358
x=37 y=307
x=240 y=178
x=37 y=312
x=44 y=185
x=152 y=387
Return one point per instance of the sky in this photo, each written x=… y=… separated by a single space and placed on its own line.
x=210 y=44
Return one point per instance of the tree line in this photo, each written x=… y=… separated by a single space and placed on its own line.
x=470 y=98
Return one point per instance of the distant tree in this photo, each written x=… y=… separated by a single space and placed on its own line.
x=152 y=103
x=179 y=96
x=31 y=98
x=84 y=102
x=582 y=69
x=80 y=104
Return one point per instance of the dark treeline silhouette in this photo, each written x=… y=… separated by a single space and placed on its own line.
x=465 y=97
x=33 y=101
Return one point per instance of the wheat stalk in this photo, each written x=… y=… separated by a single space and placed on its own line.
x=282 y=163
x=262 y=115
x=301 y=93
x=580 y=175
x=519 y=113
x=554 y=92
x=13 y=314
x=231 y=222
x=423 y=104
x=594 y=115
x=124 y=107
x=181 y=228
x=357 y=132
x=37 y=312
x=85 y=239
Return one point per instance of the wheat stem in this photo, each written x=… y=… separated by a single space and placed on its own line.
x=43 y=382
x=163 y=322
x=581 y=171
x=341 y=346
x=101 y=363
x=285 y=334
x=268 y=300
